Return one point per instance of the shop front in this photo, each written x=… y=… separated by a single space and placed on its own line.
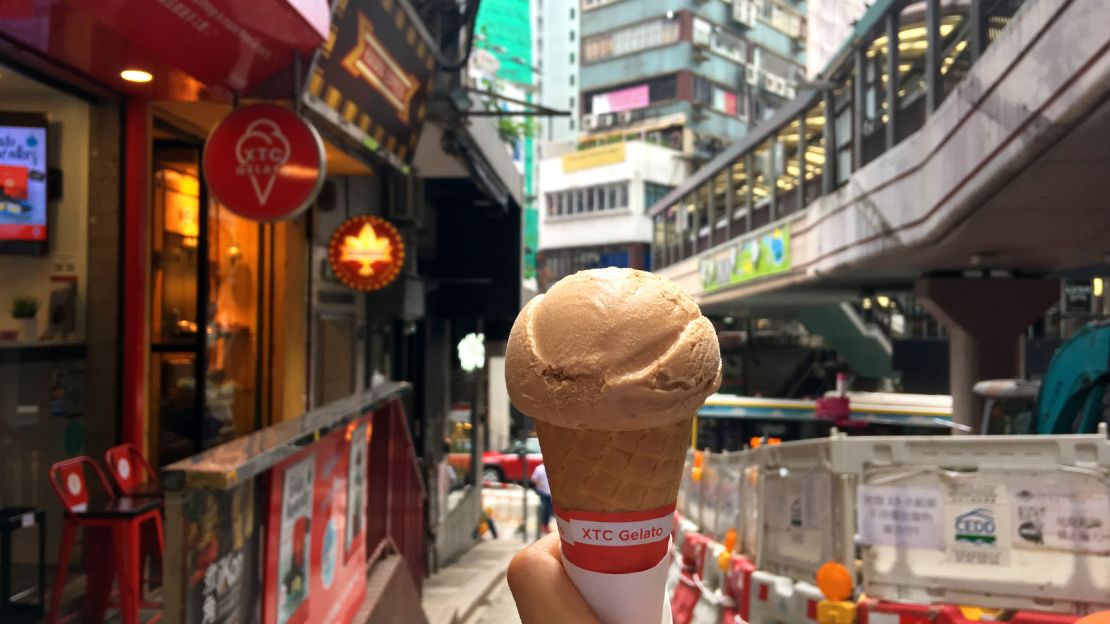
x=149 y=300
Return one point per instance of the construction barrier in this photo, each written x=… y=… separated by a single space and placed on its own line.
x=1015 y=525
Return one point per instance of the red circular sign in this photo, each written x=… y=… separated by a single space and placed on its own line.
x=366 y=252
x=264 y=162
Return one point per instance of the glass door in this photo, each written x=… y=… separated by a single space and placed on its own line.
x=205 y=312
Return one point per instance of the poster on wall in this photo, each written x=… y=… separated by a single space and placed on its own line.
x=356 y=487
x=220 y=554
x=313 y=573
x=22 y=178
x=296 y=538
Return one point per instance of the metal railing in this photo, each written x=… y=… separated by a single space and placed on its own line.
x=901 y=62
x=340 y=487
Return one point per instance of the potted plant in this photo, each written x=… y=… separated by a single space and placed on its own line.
x=24 y=310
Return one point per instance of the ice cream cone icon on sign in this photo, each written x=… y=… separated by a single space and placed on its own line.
x=261 y=152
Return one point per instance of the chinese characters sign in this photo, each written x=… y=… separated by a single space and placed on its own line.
x=264 y=162
x=366 y=253
x=908 y=517
x=372 y=78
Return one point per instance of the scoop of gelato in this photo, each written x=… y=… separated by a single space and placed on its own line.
x=612 y=350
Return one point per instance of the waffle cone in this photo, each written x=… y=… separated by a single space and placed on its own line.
x=614 y=471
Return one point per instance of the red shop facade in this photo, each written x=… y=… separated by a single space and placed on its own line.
x=168 y=315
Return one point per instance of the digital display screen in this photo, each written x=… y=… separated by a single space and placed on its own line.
x=23 y=183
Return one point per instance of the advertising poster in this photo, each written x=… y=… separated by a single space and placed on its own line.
x=23 y=182
x=357 y=448
x=313 y=573
x=296 y=534
x=221 y=556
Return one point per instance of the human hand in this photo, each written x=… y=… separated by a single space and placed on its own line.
x=543 y=592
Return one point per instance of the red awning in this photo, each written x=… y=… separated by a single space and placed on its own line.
x=233 y=44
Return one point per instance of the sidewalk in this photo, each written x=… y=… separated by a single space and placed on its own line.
x=452 y=594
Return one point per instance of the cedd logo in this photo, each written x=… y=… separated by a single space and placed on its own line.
x=976 y=526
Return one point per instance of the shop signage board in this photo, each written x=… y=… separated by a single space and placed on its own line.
x=366 y=253
x=315 y=568
x=594 y=157
x=757 y=256
x=264 y=162
x=371 y=79
x=221 y=555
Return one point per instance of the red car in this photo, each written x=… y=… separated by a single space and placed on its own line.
x=507 y=465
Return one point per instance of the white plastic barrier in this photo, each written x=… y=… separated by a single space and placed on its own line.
x=778 y=599
x=1016 y=522
x=689 y=492
x=710 y=581
x=1012 y=522
x=808 y=504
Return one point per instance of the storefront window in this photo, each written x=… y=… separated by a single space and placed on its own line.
x=59 y=205
x=219 y=349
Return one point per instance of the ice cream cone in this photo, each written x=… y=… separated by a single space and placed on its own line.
x=616 y=471
x=612 y=364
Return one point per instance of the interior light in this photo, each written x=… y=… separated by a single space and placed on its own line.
x=1096 y=286
x=136 y=75
x=883 y=300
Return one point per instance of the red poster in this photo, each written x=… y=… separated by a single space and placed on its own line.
x=315 y=568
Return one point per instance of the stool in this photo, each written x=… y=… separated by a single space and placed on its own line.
x=109 y=522
x=13 y=519
x=133 y=476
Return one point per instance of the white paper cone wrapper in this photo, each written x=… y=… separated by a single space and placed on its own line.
x=636 y=598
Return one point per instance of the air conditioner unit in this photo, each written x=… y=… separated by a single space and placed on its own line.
x=625 y=117
x=790 y=92
x=753 y=75
x=411 y=207
x=769 y=82
x=589 y=122
x=606 y=120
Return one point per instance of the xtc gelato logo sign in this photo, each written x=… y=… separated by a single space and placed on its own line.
x=976 y=527
x=261 y=153
x=746 y=260
x=264 y=162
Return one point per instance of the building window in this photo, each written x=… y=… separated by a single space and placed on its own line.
x=572 y=80
x=590 y=199
x=572 y=57
x=654 y=192
x=572 y=123
x=571 y=12
x=572 y=35
x=658 y=32
x=572 y=102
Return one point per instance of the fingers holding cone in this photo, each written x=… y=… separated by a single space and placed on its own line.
x=543 y=592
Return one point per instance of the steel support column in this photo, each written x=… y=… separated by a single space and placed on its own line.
x=933 y=94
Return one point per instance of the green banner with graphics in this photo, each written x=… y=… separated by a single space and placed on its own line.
x=747 y=259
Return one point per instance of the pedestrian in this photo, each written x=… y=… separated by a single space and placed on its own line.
x=543 y=488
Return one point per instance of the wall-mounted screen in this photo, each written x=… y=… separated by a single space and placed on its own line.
x=23 y=193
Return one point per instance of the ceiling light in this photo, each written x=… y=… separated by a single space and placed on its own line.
x=136 y=75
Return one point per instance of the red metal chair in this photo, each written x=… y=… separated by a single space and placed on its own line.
x=112 y=529
x=131 y=471
x=133 y=476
